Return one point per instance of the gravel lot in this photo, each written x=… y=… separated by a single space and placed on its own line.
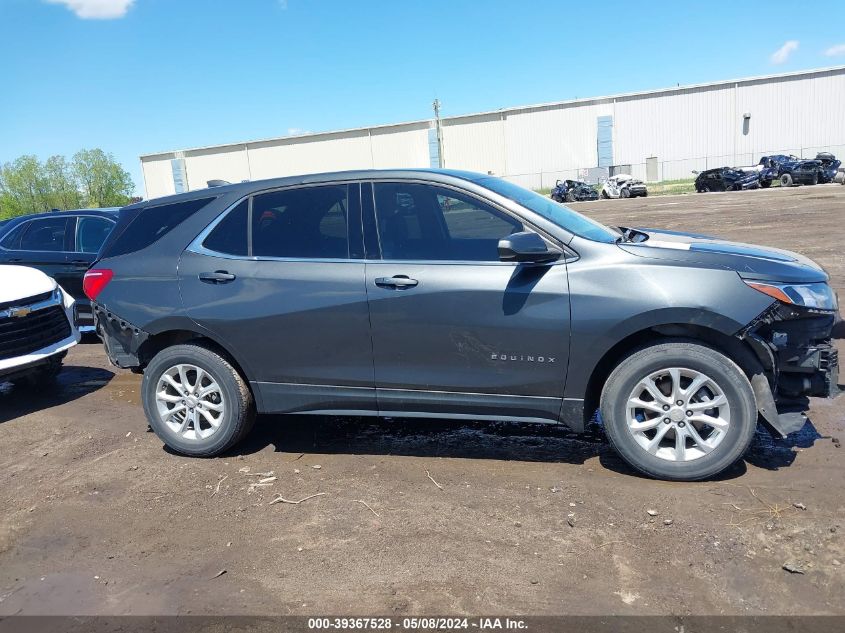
x=96 y=517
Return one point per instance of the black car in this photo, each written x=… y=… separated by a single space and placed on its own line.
x=573 y=191
x=726 y=179
x=448 y=294
x=829 y=166
x=63 y=244
x=789 y=170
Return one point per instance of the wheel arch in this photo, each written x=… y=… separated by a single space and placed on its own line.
x=735 y=348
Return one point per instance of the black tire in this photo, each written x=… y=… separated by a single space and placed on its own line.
x=815 y=179
x=695 y=357
x=645 y=194
x=786 y=180
x=604 y=195
x=570 y=197
x=625 y=193
x=237 y=418
x=765 y=184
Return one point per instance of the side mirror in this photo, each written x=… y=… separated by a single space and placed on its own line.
x=526 y=247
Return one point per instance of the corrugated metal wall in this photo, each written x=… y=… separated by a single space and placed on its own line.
x=686 y=129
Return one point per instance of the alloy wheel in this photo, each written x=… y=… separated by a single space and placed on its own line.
x=189 y=402
x=678 y=414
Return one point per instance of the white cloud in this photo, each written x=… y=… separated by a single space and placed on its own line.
x=96 y=9
x=783 y=53
x=836 y=50
x=297 y=131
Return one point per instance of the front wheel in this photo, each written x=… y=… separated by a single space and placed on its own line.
x=679 y=411
x=786 y=180
x=196 y=401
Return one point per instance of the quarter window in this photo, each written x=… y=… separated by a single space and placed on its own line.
x=310 y=222
x=229 y=237
x=417 y=221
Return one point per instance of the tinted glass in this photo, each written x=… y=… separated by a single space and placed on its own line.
x=561 y=215
x=91 y=233
x=308 y=222
x=45 y=235
x=230 y=235
x=140 y=227
x=427 y=222
x=13 y=239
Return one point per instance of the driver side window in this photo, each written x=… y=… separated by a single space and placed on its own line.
x=425 y=222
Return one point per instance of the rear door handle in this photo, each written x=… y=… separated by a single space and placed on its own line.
x=398 y=282
x=217 y=277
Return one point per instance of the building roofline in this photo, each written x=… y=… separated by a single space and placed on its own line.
x=500 y=111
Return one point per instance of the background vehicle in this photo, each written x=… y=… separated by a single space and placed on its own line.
x=36 y=325
x=62 y=244
x=623 y=186
x=416 y=293
x=726 y=179
x=829 y=166
x=790 y=170
x=573 y=191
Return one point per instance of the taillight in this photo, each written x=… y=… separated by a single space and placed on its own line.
x=95 y=280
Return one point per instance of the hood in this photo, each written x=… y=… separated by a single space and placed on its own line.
x=20 y=282
x=750 y=261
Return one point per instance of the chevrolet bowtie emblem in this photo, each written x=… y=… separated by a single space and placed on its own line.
x=19 y=313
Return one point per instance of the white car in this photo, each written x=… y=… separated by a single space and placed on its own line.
x=36 y=325
x=623 y=186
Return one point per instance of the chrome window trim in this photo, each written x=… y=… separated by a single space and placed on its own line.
x=75 y=218
x=196 y=245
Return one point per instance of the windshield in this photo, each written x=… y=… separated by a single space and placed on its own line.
x=561 y=215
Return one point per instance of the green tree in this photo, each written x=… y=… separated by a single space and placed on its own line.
x=23 y=187
x=102 y=181
x=62 y=183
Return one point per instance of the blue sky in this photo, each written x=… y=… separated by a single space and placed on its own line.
x=138 y=76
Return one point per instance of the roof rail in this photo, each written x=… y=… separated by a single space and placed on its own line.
x=217 y=183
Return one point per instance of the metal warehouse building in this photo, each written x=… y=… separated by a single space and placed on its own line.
x=656 y=135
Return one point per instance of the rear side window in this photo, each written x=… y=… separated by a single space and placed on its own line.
x=310 y=222
x=139 y=228
x=47 y=235
x=230 y=237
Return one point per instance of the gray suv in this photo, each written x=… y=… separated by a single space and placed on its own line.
x=447 y=294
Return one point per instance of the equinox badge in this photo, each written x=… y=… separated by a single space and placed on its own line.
x=522 y=358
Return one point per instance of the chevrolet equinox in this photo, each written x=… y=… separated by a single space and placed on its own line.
x=447 y=294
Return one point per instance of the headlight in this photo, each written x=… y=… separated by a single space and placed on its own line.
x=817 y=295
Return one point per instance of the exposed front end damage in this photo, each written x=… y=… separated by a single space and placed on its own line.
x=121 y=339
x=795 y=346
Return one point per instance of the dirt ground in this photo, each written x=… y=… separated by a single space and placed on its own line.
x=96 y=517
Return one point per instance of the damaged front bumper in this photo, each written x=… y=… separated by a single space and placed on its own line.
x=121 y=339
x=797 y=350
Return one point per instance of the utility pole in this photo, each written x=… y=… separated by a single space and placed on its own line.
x=439 y=130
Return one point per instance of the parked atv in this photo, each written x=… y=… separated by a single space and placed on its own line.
x=573 y=191
x=790 y=170
x=726 y=179
x=623 y=186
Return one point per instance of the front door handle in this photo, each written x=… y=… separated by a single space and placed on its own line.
x=397 y=282
x=217 y=277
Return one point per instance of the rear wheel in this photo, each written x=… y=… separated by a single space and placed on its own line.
x=786 y=180
x=765 y=184
x=679 y=410
x=196 y=401
x=815 y=179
